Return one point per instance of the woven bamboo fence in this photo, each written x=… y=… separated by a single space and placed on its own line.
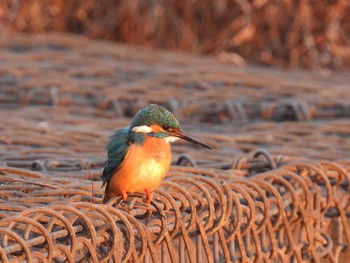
x=274 y=189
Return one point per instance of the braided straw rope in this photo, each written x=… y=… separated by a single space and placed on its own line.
x=274 y=189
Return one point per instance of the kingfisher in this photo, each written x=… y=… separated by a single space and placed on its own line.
x=139 y=156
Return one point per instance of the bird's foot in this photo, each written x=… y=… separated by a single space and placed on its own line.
x=149 y=196
x=124 y=195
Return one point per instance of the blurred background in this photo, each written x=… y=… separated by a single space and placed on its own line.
x=283 y=33
x=217 y=65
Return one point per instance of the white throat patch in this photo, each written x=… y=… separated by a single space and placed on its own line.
x=147 y=129
x=142 y=129
x=170 y=139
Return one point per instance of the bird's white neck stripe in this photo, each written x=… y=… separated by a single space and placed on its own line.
x=147 y=129
x=170 y=139
x=142 y=129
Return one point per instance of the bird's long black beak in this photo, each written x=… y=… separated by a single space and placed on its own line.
x=188 y=137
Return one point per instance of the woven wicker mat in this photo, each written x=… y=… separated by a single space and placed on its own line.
x=274 y=188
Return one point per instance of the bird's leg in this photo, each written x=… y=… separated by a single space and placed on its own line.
x=124 y=195
x=149 y=196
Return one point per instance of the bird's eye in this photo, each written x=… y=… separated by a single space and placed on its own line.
x=165 y=127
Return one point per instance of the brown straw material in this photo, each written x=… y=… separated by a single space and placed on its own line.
x=275 y=187
x=287 y=33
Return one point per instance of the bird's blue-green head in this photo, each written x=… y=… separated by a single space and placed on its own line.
x=154 y=114
x=157 y=121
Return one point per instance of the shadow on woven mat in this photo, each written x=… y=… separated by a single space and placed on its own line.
x=274 y=189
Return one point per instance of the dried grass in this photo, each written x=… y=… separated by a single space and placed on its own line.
x=288 y=33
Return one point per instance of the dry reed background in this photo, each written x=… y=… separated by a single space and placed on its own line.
x=286 y=33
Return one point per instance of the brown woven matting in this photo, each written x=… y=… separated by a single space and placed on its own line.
x=274 y=189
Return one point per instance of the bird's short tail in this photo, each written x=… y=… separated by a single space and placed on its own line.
x=106 y=197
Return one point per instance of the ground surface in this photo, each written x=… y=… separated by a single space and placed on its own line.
x=68 y=93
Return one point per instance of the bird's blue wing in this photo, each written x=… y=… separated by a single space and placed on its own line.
x=117 y=148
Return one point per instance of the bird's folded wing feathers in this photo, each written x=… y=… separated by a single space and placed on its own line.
x=117 y=147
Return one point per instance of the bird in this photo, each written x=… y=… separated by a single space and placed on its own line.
x=139 y=156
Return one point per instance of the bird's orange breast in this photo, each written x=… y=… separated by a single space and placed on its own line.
x=144 y=167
